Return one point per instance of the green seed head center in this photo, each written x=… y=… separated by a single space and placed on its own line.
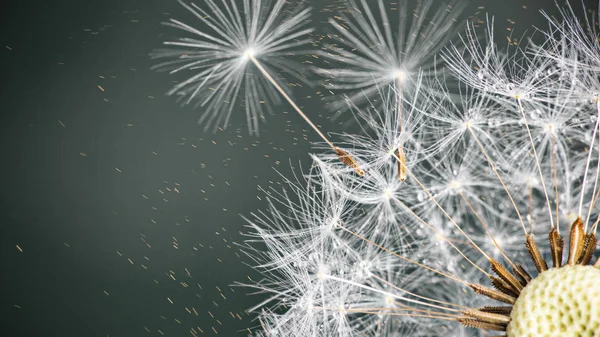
x=559 y=302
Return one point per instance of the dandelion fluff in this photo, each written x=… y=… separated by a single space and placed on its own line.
x=375 y=50
x=500 y=195
x=215 y=54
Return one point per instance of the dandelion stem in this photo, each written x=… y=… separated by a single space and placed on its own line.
x=595 y=225
x=390 y=312
x=531 y=207
x=359 y=285
x=285 y=95
x=403 y=257
x=555 y=182
x=442 y=209
x=587 y=166
x=419 y=296
x=487 y=229
x=399 y=99
x=537 y=161
x=443 y=237
x=491 y=163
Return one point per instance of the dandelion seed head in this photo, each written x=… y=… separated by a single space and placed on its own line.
x=512 y=150
x=389 y=301
x=532 y=180
x=363 y=269
x=391 y=153
x=388 y=192
x=491 y=244
x=400 y=76
x=323 y=272
x=550 y=128
x=248 y=53
x=455 y=184
x=440 y=238
x=539 y=312
x=333 y=223
x=466 y=125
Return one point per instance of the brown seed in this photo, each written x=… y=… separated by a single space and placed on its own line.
x=401 y=164
x=534 y=253
x=506 y=276
x=473 y=323
x=493 y=294
x=487 y=317
x=504 y=287
x=345 y=158
x=589 y=246
x=576 y=242
x=557 y=245
x=497 y=310
x=522 y=274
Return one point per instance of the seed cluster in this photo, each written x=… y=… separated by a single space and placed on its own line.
x=559 y=302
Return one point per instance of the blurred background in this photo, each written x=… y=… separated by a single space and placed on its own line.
x=119 y=214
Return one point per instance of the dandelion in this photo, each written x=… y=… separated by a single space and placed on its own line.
x=222 y=60
x=218 y=56
x=450 y=212
x=369 y=54
x=492 y=229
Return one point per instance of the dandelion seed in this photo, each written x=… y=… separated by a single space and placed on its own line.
x=371 y=55
x=219 y=59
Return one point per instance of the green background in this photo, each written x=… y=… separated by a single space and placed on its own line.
x=114 y=195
